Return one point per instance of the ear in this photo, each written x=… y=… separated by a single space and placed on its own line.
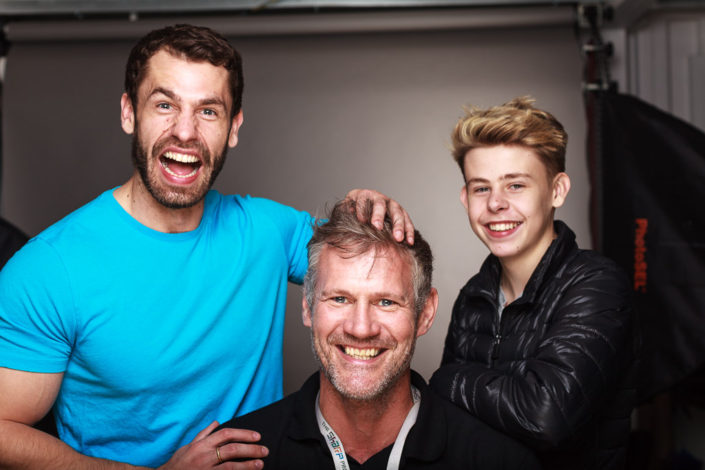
x=425 y=320
x=464 y=196
x=234 y=128
x=127 y=114
x=561 y=187
x=305 y=312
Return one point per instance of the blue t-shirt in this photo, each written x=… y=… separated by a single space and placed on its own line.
x=157 y=334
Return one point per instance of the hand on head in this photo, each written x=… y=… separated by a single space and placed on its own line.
x=381 y=206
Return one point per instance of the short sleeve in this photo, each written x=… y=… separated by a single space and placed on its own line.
x=295 y=229
x=36 y=311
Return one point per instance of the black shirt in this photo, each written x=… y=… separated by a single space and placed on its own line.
x=444 y=437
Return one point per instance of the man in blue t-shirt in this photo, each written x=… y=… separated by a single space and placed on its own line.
x=161 y=298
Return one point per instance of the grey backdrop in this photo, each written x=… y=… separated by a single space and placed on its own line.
x=323 y=114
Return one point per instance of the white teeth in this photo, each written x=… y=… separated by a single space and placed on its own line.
x=181 y=157
x=503 y=226
x=361 y=353
x=178 y=175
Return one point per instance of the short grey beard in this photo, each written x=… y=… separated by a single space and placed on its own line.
x=380 y=396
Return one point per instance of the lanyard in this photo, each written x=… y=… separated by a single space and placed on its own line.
x=336 y=447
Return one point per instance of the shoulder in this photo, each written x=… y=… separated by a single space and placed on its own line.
x=270 y=421
x=588 y=303
x=485 y=281
x=592 y=270
x=41 y=262
x=592 y=260
x=479 y=294
x=250 y=204
x=571 y=262
x=85 y=221
x=257 y=212
x=266 y=419
x=274 y=423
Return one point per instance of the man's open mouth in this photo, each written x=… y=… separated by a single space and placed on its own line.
x=180 y=165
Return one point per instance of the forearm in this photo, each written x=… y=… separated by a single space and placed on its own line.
x=23 y=447
x=517 y=406
x=449 y=381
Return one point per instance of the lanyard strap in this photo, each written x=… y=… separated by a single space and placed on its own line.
x=336 y=447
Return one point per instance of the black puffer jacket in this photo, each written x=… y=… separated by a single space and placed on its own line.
x=557 y=371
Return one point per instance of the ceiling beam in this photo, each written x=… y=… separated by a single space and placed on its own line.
x=306 y=23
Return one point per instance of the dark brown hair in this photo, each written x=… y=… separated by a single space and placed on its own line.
x=194 y=43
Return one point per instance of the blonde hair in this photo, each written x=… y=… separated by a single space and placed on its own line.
x=517 y=122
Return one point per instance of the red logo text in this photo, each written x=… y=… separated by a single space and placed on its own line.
x=640 y=266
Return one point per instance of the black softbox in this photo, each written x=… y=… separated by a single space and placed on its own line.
x=648 y=171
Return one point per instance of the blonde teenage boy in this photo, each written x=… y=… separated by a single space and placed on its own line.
x=540 y=341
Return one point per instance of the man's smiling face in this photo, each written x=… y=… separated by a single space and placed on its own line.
x=363 y=324
x=182 y=128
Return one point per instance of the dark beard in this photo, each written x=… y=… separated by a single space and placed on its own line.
x=181 y=200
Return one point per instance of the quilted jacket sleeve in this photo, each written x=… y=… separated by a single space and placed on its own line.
x=544 y=397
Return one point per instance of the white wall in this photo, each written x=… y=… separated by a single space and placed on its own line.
x=661 y=59
x=323 y=114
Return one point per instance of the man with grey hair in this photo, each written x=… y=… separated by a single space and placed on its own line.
x=367 y=298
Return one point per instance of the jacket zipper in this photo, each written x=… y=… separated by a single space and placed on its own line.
x=497 y=340
x=495 y=348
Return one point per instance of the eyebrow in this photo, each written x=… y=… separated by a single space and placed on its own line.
x=508 y=176
x=168 y=93
x=173 y=96
x=334 y=293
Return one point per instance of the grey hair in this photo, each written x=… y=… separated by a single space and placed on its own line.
x=346 y=233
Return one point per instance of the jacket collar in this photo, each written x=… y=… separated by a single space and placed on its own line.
x=426 y=440
x=486 y=282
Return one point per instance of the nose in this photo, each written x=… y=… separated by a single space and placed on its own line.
x=362 y=322
x=497 y=202
x=185 y=127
